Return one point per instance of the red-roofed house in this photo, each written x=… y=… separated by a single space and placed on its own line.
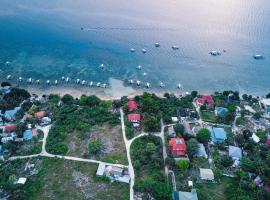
x=10 y=128
x=178 y=146
x=206 y=99
x=134 y=117
x=132 y=105
x=34 y=132
x=40 y=114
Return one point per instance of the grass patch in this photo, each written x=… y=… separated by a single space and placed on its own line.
x=208 y=116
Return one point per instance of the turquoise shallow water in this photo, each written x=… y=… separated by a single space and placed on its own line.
x=44 y=40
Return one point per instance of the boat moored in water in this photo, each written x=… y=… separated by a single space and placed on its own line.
x=8 y=77
x=161 y=84
x=144 y=51
x=215 y=53
x=175 y=47
x=147 y=85
x=132 y=50
x=258 y=57
x=157 y=44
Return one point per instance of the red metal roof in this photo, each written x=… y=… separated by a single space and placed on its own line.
x=206 y=99
x=178 y=146
x=40 y=114
x=134 y=117
x=10 y=128
x=132 y=105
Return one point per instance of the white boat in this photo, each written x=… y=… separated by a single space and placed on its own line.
x=215 y=53
x=30 y=80
x=102 y=66
x=67 y=79
x=138 y=82
x=161 y=84
x=20 y=79
x=78 y=81
x=104 y=85
x=8 y=77
x=132 y=50
x=98 y=84
x=258 y=57
x=179 y=86
x=175 y=47
x=144 y=51
x=38 y=81
x=83 y=82
x=157 y=45
x=56 y=82
x=144 y=73
x=91 y=83
x=147 y=85
x=48 y=82
x=63 y=78
x=7 y=63
x=131 y=81
x=139 y=67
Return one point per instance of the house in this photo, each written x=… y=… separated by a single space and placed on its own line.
x=218 y=134
x=174 y=119
x=10 y=114
x=193 y=114
x=34 y=132
x=187 y=127
x=182 y=113
x=171 y=131
x=235 y=153
x=255 y=138
x=206 y=174
x=134 y=118
x=206 y=99
x=249 y=109
x=201 y=151
x=185 y=195
x=101 y=169
x=132 y=105
x=178 y=146
x=21 y=181
x=115 y=171
x=40 y=114
x=10 y=128
x=27 y=135
x=221 y=111
x=266 y=105
x=44 y=121
x=8 y=138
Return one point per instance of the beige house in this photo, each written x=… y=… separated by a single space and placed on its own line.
x=206 y=174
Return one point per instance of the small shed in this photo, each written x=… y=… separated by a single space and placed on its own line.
x=206 y=174
x=255 y=138
x=218 y=134
x=27 y=135
x=21 y=181
x=201 y=151
x=235 y=152
x=221 y=111
x=10 y=114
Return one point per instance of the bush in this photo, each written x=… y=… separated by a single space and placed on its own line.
x=94 y=146
x=67 y=99
x=203 y=135
x=183 y=164
x=179 y=129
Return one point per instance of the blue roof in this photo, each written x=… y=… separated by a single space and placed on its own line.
x=1 y=150
x=218 y=134
x=10 y=114
x=221 y=111
x=201 y=151
x=27 y=135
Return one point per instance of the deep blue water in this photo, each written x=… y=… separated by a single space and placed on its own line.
x=44 y=40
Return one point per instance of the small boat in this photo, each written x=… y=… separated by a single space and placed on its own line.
x=131 y=81
x=30 y=80
x=48 y=82
x=157 y=45
x=175 y=47
x=63 y=78
x=132 y=50
x=82 y=28
x=98 y=84
x=138 y=83
x=8 y=77
x=161 y=84
x=20 y=79
x=56 y=82
x=38 y=82
x=215 y=53
x=144 y=51
x=67 y=79
x=139 y=67
x=83 y=82
x=102 y=66
x=104 y=85
x=78 y=81
x=91 y=83
x=179 y=86
x=147 y=85
x=144 y=73
x=7 y=63
x=258 y=57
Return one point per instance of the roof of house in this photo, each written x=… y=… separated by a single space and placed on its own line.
x=21 y=180
x=185 y=195
x=235 y=152
x=134 y=117
x=35 y=132
x=206 y=99
x=40 y=114
x=255 y=138
x=27 y=135
x=187 y=127
x=178 y=146
x=132 y=105
x=221 y=111
x=206 y=174
x=218 y=134
x=10 y=114
x=101 y=169
x=171 y=130
x=201 y=151
x=10 y=128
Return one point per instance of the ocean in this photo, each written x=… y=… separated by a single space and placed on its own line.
x=45 y=40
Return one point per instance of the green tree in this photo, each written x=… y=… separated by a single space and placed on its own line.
x=261 y=134
x=4 y=84
x=192 y=147
x=194 y=94
x=150 y=148
x=94 y=146
x=179 y=129
x=203 y=135
x=67 y=99
x=183 y=164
